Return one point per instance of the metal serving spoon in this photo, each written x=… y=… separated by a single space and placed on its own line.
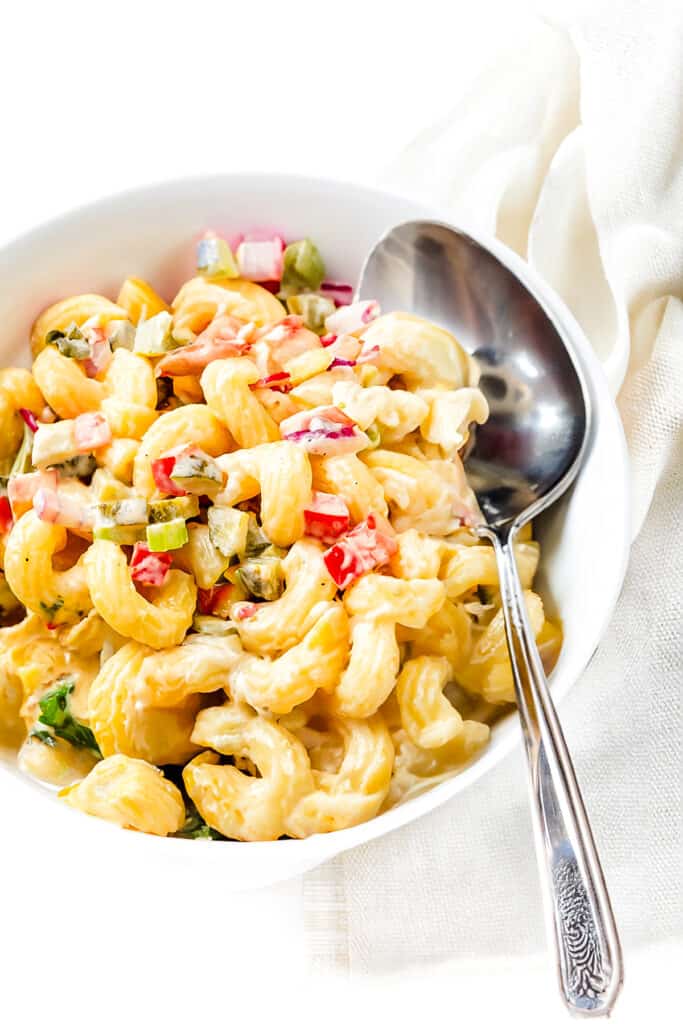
x=523 y=458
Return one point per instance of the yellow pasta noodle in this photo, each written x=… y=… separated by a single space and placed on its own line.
x=236 y=804
x=74 y=310
x=130 y=793
x=301 y=631
x=160 y=622
x=225 y=383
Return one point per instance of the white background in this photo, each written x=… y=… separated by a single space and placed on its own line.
x=97 y=98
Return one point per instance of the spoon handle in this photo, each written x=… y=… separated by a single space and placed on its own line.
x=578 y=910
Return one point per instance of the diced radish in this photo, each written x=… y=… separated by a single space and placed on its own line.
x=362 y=549
x=353 y=318
x=369 y=355
x=22 y=488
x=325 y=430
x=91 y=431
x=53 y=507
x=328 y=339
x=341 y=362
x=326 y=517
x=261 y=261
x=6 y=517
x=274 y=381
x=100 y=352
x=223 y=338
x=29 y=419
x=149 y=567
x=161 y=471
x=340 y=293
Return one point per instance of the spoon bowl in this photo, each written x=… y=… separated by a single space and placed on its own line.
x=532 y=445
x=526 y=454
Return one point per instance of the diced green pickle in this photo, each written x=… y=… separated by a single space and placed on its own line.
x=153 y=337
x=313 y=308
x=215 y=258
x=125 y=512
x=228 y=529
x=167 y=536
x=119 y=534
x=201 y=558
x=121 y=334
x=262 y=577
x=256 y=538
x=198 y=474
x=303 y=269
x=185 y=507
x=70 y=343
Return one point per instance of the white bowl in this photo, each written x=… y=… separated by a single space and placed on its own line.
x=150 y=233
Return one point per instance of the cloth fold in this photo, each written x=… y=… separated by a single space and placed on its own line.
x=572 y=153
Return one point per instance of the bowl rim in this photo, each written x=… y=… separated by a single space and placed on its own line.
x=320 y=847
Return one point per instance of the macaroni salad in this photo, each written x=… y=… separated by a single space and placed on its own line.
x=241 y=592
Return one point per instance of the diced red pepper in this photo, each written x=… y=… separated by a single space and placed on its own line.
x=161 y=471
x=91 y=431
x=326 y=517
x=6 y=517
x=360 y=550
x=149 y=567
x=328 y=339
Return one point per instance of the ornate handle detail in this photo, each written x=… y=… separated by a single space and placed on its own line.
x=578 y=908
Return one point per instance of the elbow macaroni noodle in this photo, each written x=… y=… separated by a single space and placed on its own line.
x=244 y=686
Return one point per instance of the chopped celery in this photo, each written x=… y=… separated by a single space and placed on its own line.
x=374 y=435
x=201 y=558
x=262 y=577
x=167 y=536
x=256 y=538
x=197 y=473
x=303 y=269
x=211 y=625
x=119 y=534
x=313 y=308
x=121 y=334
x=23 y=459
x=80 y=466
x=215 y=258
x=228 y=528
x=54 y=443
x=153 y=337
x=125 y=512
x=173 y=508
x=70 y=343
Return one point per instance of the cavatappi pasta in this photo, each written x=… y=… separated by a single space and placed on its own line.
x=242 y=591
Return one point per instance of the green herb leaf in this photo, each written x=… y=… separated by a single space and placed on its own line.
x=56 y=712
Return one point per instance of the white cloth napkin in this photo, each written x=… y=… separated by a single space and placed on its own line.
x=571 y=151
